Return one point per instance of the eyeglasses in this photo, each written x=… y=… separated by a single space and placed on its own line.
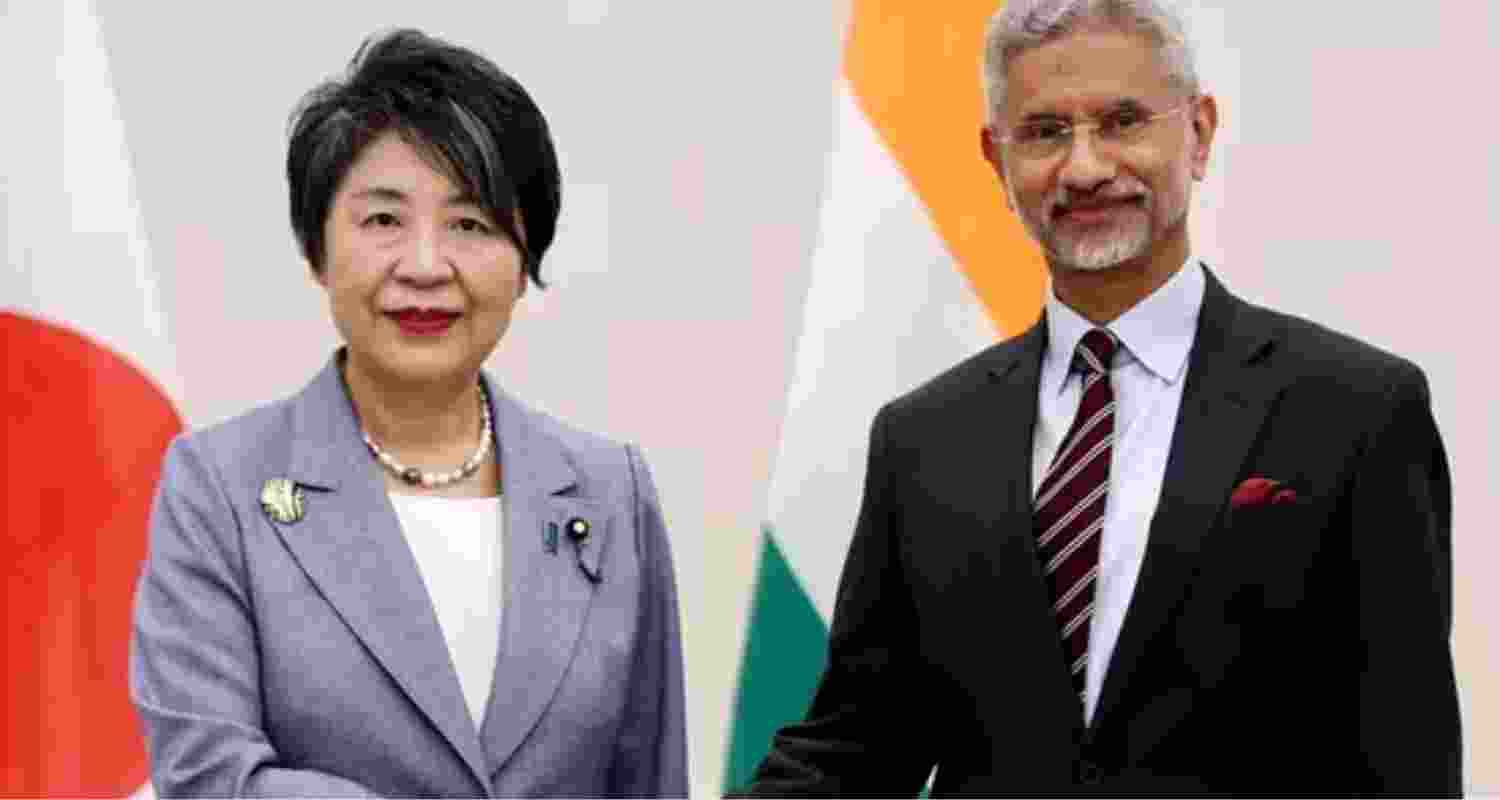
x=1048 y=137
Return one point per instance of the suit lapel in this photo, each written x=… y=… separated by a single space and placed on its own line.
x=547 y=589
x=351 y=546
x=1226 y=400
x=1017 y=372
x=1010 y=550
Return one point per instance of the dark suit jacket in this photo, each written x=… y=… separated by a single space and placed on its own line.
x=1282 y=649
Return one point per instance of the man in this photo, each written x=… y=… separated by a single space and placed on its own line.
x=1165 y=541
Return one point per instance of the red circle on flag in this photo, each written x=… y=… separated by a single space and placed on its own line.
x=82 y=437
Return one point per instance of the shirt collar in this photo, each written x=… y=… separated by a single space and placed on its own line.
x=1157 y=331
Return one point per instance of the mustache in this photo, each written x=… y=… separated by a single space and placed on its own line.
x=1065 y=197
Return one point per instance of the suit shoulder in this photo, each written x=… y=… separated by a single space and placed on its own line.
x=602 y=462
x=1314 y=350
x=256 y=436
x=937 y=393
x=586 y=445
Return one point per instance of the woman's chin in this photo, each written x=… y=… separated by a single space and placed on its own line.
x=416 y=365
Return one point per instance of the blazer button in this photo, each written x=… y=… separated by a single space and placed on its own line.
x=1089 y=772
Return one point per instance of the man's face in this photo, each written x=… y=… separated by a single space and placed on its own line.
x=1098 y=200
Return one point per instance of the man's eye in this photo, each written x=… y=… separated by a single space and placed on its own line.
x=1123 y=123
x=381 y=219
x=1042 y=132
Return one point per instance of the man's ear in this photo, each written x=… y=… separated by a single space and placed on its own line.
x=1205 y=124
x=989 y=145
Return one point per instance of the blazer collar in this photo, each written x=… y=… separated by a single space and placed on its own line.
x=328 y=448
x=1019 y=359
x=326 y=445
x=533 y=462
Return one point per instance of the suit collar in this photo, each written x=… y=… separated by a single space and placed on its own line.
x=534 y=463
x=1018 y=361
x=1232 y=385
x=326 y=446
x=328 y=449
x=1245 y=333
x=1158 y=331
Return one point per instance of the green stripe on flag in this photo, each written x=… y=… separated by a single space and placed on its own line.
x=786 y=648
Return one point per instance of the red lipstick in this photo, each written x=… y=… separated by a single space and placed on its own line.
x=423 y=322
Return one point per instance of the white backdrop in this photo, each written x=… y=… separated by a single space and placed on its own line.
x=1352 y=182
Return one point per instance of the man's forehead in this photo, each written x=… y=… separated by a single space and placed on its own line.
x=1087 y=68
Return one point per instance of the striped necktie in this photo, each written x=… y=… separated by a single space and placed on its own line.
x=1070 y=503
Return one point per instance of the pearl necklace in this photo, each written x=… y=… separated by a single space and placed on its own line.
x=437 y=480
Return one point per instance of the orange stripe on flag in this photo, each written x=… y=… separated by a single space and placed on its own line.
x=914 y=67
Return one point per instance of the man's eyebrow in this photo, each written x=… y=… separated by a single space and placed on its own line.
x=1044 y=116
x=1122 y=104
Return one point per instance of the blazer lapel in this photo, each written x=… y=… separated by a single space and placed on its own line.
x=1010 y=549
x=548 y=588
x=351 y=546
x=1225 y=402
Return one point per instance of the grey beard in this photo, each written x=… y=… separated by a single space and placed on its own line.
x=1119 y=248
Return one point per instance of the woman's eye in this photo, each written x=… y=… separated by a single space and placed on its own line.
x=471 y=225
x=382 y=219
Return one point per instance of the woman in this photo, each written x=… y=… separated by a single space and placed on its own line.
x=401 y=581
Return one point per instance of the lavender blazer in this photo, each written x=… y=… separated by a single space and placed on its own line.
x=305 y=659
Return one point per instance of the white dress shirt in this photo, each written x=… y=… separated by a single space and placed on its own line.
x=456 y=541
x=1150 y=368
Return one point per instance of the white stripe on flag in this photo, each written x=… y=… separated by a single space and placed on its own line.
x=887 y=308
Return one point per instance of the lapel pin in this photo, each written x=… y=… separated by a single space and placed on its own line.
x=578 y=529
x=549 y=538
x=283 y=500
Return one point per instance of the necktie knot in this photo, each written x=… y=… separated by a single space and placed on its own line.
x=1096 y=351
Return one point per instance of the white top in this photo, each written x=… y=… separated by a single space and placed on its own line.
x=456 y=541
x=1149 y=372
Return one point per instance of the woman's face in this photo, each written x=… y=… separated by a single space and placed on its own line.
x=420 y=280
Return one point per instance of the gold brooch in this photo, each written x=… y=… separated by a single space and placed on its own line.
x=282 y=500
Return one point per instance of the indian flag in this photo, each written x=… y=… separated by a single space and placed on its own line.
x=89 y=372
x=918 y=265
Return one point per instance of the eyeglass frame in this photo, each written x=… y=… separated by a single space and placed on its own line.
x=1008 y=138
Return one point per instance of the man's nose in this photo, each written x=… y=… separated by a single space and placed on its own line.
x=1086 y=167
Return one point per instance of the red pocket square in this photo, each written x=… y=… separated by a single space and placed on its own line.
x=1260 y=492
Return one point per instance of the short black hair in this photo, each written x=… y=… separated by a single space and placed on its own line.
x=471 y=119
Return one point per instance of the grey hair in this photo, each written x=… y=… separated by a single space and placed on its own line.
x=1023 y=25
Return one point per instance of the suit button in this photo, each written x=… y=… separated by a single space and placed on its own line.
x=1089 y=772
